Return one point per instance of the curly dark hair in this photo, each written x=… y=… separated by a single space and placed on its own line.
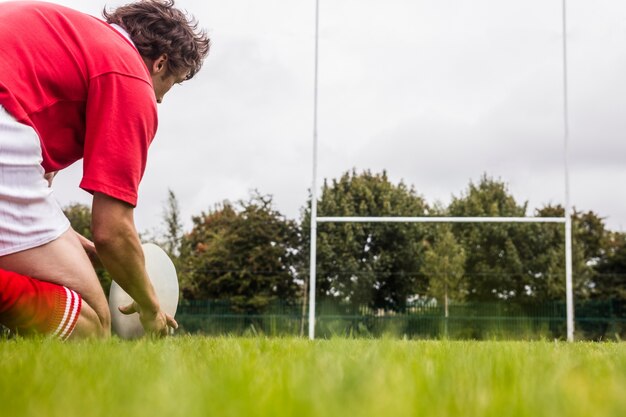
x=157 y=27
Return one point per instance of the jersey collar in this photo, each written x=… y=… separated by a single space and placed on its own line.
x=123 y=33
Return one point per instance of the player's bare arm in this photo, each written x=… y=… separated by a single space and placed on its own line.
x=119 y=248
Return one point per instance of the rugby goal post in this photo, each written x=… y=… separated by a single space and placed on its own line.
x=566 y=220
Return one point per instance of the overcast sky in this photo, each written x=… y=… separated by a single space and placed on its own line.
x=437 y=92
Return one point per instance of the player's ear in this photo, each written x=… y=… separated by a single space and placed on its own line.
x=159 y=65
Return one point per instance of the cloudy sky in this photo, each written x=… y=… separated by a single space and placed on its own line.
x=437 y=92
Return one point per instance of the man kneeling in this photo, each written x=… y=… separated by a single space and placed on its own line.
x=74 y=87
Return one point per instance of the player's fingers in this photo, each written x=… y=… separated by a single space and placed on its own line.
x=156 y=334
x=171 y=322
x=162 y=328
x=128 y=309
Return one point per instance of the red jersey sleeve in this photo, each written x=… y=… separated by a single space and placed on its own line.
x=121 y=121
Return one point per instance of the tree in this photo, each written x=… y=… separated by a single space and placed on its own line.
x=79 y=216
x=496 y=254
x=610 y=281
x=444 y=267
x=173 y=226
x=589 y=247
x=524 y=262
x=244 y=254
x=364 y=263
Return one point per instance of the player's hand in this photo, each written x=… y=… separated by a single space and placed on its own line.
x=49 y=177
x=90 y=250
x=155 y=324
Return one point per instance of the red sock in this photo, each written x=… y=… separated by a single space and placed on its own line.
x=29 y=306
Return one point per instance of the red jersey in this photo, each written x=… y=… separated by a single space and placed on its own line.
x=84 y=88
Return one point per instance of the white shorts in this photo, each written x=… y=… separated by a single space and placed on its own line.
x=30 y=216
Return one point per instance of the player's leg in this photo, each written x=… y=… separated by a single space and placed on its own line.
x=35 y=236
x=88 y=325
x=64 y=262
x=29 y=306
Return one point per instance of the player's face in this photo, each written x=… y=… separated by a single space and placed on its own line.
x=162 y=78
x=164 y=82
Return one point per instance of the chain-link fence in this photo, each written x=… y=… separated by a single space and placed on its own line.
x=595 y=320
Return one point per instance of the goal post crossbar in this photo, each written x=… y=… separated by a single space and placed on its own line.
x=427 y=219
x=566 y=221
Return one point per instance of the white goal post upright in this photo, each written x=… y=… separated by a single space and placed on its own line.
x=569 y=287
x=313 y=260
x=566 y=220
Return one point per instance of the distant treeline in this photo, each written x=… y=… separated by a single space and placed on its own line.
x=250 y=255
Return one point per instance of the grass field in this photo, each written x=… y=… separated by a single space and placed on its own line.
x=199 y=376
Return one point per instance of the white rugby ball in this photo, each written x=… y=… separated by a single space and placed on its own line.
x=162 y=273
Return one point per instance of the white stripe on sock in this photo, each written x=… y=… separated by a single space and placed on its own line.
x=68 y=299
x=75 y=300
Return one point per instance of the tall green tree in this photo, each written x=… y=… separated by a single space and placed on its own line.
x=79 y=216
x=589 y=247
x=610 y=281
x=444 y=267
x=243 y=253
x=523 y=262
x=495 y=253
x=375 y=264
x=173 y=225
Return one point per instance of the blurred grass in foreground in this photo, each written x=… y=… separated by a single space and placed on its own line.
x=200 y=376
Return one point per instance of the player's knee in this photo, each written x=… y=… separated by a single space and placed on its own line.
x=105 y=323
x=94 y=320
x=91 y=325
x=98 y=311
x=102 y=322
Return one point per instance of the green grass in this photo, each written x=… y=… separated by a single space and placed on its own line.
x=199 y=376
